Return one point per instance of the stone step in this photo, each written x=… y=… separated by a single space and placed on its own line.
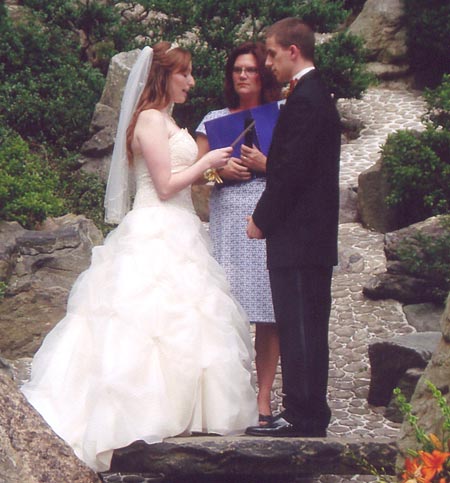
x=243 y=458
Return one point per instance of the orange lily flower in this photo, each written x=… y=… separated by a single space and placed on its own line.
x=413 y=470
x=432 y=463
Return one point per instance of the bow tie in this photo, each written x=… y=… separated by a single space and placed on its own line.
x=292 y=84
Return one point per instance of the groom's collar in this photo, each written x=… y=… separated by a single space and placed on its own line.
x=303 y=72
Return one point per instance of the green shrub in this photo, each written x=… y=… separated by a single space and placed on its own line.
x=322 y=15
x=27 y=184
x=429 y=257
x=341 y=61
x=428 y=37
x=83 y=193
x=418 y=169
x=219 y=27
x=103 y=25
x=438 y=102
x=47 y=94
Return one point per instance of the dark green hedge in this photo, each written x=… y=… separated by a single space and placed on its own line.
x=28 y=186
x=428 y=39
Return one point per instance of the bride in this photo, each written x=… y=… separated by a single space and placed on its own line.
x=153 y=344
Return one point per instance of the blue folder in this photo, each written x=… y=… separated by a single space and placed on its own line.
x=221 y=132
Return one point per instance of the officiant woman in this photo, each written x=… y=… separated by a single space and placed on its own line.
x=248 y=84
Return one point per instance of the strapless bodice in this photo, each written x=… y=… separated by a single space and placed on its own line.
x=183 y=153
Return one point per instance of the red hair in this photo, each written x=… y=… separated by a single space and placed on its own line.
x=155 y=95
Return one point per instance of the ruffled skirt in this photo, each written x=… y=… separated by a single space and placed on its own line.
x=153 y=344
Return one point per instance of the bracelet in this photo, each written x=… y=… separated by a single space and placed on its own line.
x=212 y=175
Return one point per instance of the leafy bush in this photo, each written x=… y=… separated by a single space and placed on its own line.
x=342 y=63
x=103 y=26
x=438 y=102
x=429 y=258
x=428 y=37
x=47 y=94
x=217 y=27
x=418 y=169
x=27 y=183
x=83 y=193
x=418 y=163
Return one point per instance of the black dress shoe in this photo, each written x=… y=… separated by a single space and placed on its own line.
x=280 y=428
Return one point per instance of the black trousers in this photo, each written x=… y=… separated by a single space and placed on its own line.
x=302 y=303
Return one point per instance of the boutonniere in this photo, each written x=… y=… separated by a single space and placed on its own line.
x=287 y=91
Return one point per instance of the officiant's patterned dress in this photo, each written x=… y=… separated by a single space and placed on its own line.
x=244 y=260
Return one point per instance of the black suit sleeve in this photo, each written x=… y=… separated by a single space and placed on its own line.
x=291 y=162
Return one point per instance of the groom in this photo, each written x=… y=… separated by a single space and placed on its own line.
x=298 y=215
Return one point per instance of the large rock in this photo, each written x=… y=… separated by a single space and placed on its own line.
x=39 y=268
x=399 y=282
x=374 y=212
x=243 y=458
x=390 y=359
x=381 y=24
x=96 y=152
x=29 y=450
x=407 y=385
x=424 y=405
x=424 y=317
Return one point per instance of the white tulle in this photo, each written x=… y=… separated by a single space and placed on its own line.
x=118 y=193
x=153 y=344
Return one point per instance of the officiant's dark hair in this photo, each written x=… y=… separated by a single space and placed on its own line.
x=294 y=31
x=271 y=90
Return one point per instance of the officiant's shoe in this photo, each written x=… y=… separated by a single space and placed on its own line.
x=281 y=428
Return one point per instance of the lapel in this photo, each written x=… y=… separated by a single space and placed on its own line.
x=278 y=127
x=310 y=75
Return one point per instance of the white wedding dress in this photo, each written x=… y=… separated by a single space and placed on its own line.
x=153 y=344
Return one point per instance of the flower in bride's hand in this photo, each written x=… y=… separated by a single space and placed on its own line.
x=212 y=176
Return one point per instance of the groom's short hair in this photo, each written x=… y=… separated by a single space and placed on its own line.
x=294 y=31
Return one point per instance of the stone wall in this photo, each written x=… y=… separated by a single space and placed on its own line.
x=39 y=268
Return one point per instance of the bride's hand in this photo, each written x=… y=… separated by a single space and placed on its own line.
x=217 y=157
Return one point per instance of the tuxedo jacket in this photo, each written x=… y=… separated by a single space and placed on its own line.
x=299 y=209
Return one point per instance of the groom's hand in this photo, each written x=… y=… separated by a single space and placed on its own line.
x=252 y=230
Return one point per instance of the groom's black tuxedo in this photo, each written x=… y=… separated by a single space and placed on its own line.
x=298 y=214
x=298 y=211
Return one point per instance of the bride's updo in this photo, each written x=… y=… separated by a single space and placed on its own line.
x=167 y=60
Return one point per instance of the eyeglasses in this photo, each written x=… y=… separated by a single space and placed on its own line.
x=250 y=71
